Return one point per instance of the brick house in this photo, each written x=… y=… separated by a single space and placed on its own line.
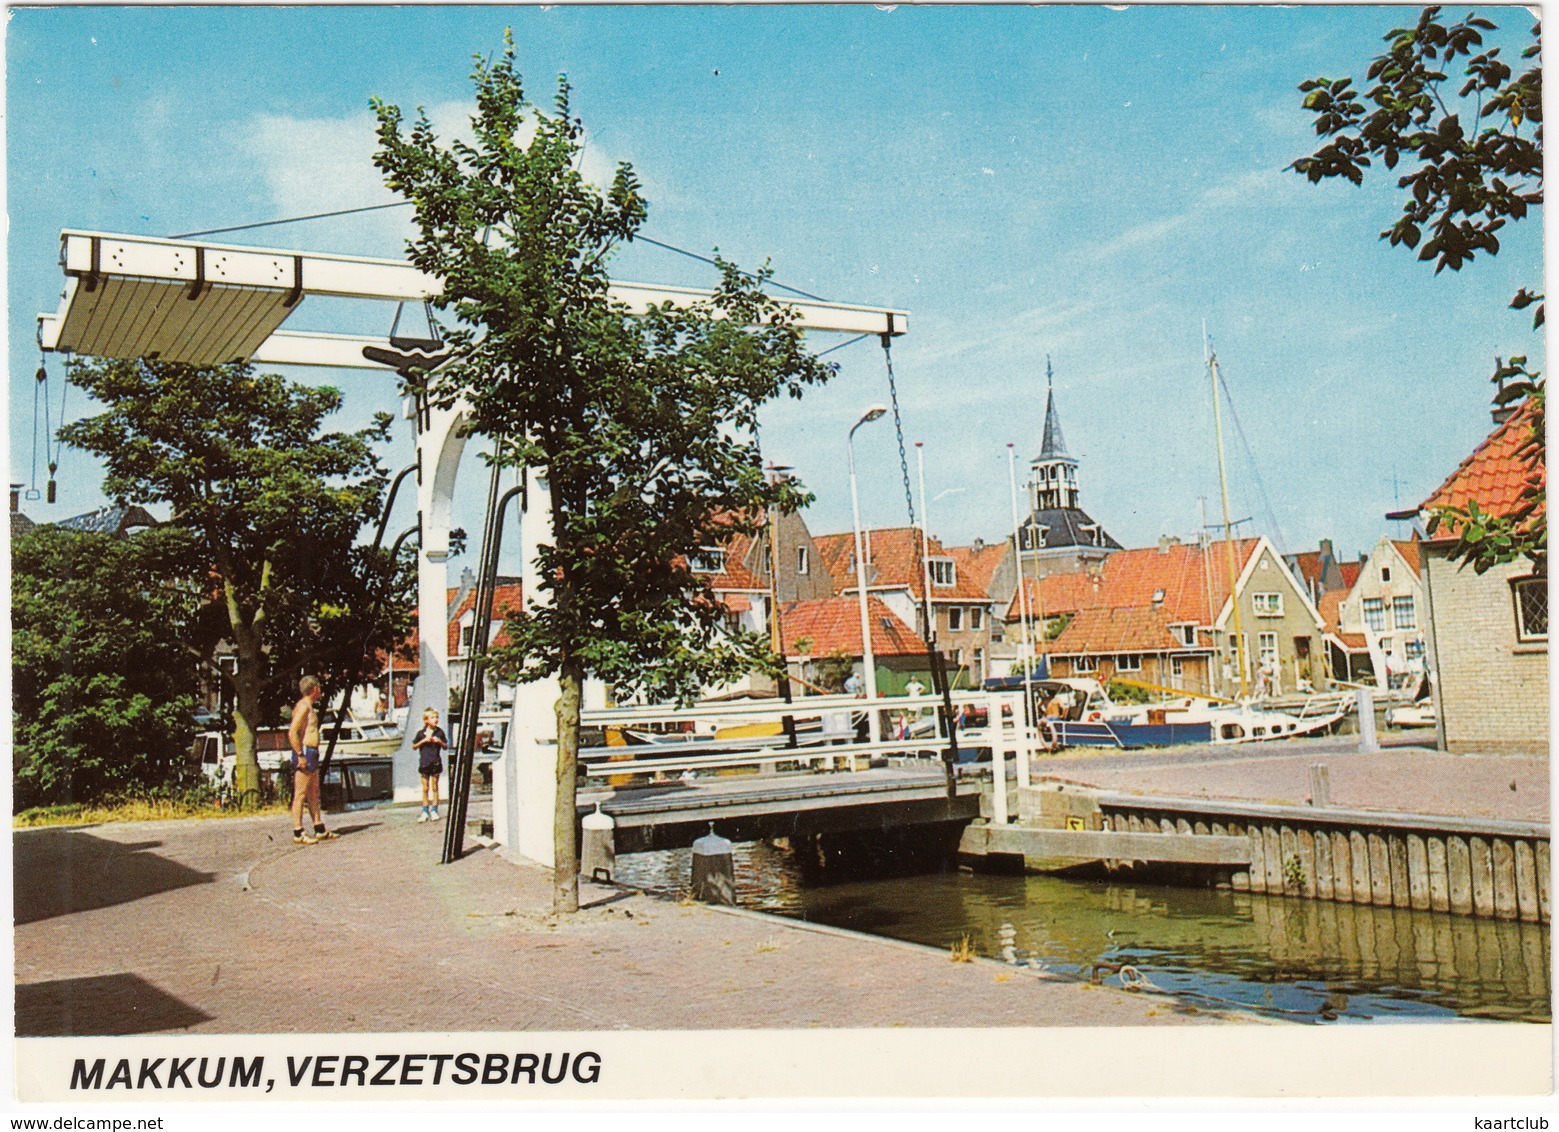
x=1347 y=654
x=1384 y=611
x=1163 y=615
x=962 y=609
x=1488 y=633
x=824 y=628
x=1321 y=572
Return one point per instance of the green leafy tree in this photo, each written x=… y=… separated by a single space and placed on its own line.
x=1473 y=159
x=642 y=423
x=272 y=505
x=102 y=685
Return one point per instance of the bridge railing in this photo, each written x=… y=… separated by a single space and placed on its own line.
x=833 y=748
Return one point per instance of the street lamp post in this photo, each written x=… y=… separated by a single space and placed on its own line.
x=868 y=660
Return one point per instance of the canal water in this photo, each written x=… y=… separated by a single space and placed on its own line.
x=1305 y=960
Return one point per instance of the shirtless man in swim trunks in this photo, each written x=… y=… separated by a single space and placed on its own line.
x=304 y=737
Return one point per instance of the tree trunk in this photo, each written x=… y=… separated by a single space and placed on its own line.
x=565 y=851
x=246 y=721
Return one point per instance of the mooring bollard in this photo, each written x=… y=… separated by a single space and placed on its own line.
x=714 y=870
x=598 y=851
x=1320 y=785
x=1368 y=743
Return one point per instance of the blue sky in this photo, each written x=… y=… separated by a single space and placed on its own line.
x=1080 y=182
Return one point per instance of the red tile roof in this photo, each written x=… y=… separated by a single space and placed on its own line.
x=506 y=599
x=1116 y=631
x=833 y=625
x=978 y=566
x=1350 y=573
x=1408 y=549
x=1498 y=474
x=1057 y=594
x=893 y=560
x=1132 y=579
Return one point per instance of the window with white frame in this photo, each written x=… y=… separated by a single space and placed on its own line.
x=1177 y=665
x=979 y=664
x=976 y=617
x=1084 y=664
x=803 y=561
x=1267 y=647
x=1403 y=615
x=1185 y=634
x=1267 y=605
x=1385 y=573
x=1375 y=614
x=1530 y=596
x=955 y=618
x=708 y=560
x=1413 y=650
x=1128 y=662
x=944 y=571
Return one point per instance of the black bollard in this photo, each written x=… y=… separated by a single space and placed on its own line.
x=714 y=871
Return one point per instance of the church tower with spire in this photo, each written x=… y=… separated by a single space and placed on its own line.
x=1058 y=535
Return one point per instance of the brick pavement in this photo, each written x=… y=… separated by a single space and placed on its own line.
x=225 y=927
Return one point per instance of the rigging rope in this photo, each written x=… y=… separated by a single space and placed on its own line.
x=1250 y=458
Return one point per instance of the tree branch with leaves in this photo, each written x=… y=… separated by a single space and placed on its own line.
x=1474 y=162
x=272 y=505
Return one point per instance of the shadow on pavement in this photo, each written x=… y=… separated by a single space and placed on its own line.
x=98 y=1005
x=57 y=872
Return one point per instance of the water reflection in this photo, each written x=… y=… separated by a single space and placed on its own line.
x=1293 y=958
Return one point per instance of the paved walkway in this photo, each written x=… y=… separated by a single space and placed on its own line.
x=223 y=926
x=1403 y=779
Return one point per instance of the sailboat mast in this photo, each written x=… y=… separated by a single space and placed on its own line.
x=1228 y=527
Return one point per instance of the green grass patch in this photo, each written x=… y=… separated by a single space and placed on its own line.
x=138 y=809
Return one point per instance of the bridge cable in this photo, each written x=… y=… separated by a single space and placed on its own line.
x=407 y=203
x=939 y=680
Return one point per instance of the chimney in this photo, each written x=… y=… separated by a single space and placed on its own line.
x=979 y=545
x=16 y=498
x=1167 y=541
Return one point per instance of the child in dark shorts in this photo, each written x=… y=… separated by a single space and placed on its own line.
x=430 y=743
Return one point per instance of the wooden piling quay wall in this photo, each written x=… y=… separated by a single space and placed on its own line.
x=1488 y=868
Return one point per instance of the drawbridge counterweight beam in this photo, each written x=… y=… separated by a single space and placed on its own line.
x=208 y=304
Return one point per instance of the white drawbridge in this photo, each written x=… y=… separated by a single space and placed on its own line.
x=208 y=304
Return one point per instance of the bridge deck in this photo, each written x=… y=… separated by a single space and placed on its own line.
x=747 y=807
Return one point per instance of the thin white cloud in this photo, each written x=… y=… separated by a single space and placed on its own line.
x=315 y=165
x=1253 y=187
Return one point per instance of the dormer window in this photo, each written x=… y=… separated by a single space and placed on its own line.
x=1158 y=597
x=708 y=560
x=944 y=572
